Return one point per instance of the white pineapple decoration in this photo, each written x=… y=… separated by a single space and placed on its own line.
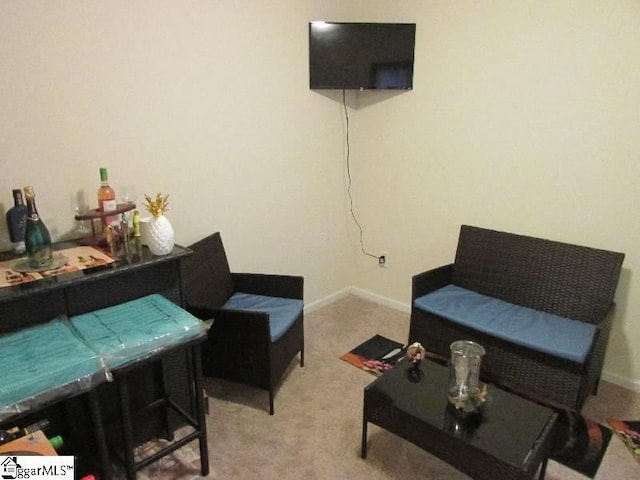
x=160 y=232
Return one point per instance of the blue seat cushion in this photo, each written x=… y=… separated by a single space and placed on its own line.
x=44 y=363
x=540 y=331
x=282 y=311
x=137 y=329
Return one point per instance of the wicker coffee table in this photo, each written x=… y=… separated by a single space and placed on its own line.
x=510 y=440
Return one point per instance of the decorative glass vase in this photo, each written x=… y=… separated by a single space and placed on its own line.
x=465 y=393
x=159 y=235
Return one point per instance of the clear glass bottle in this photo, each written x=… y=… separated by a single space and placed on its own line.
x=17 y=222
x=37 y=239
x=107 y=199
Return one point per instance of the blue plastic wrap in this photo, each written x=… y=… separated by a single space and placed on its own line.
x=42 y=364
x=137 y=329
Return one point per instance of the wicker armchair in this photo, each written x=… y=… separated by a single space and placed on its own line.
x=241 y=345
x=569 y=281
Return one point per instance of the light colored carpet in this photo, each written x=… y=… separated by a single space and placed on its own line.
x=316 y=430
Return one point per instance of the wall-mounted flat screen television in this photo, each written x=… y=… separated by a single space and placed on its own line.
x=361 y=56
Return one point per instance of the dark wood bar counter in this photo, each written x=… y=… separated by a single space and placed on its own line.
x=74 y=293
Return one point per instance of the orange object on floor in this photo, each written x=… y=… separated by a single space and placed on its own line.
x=32 y=444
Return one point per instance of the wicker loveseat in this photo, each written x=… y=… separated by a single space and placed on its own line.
x=542 y=310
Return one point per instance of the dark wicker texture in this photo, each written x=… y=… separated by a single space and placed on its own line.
x=239 y=346
x=80 y=292
x=571 y=281
x=125 y=384
x=416 y=414
x=461 y=455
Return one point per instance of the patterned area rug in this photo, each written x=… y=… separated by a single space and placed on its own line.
x=580 y=443
x=629 y=431
x=376 y=355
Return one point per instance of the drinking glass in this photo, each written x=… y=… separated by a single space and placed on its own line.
x=128 y=194
x=79 y=205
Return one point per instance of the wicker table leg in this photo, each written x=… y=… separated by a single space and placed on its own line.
x=543 y=468
x=363 y=448
x=99 y=434
x=200 y=410
x=127 y=429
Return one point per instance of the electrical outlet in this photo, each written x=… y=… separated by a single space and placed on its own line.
x=383 y=259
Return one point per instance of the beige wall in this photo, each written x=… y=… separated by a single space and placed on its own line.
x=207 y=101
x=524 y=118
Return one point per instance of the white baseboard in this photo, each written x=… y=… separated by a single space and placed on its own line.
x=389 y=302
x=630 y=384
x=334 y=297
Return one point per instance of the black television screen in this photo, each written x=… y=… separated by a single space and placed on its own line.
x=361 y=56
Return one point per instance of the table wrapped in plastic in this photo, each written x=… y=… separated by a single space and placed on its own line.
x=43 y=364
x=135 y=330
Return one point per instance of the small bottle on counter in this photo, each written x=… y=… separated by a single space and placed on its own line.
x=36 y=237
x=108 y=238
x=136 y=224
x=124 y=234
x=17 y=222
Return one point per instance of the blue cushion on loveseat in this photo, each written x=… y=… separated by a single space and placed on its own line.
x=282 y=311
x=544 y=332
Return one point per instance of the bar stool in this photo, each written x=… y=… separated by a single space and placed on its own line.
x=138 y=333
x=47 y=364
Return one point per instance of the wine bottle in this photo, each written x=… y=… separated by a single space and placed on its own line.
x=36 y=237
x=17 y=222
x=56 y=442
x=107 y=199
